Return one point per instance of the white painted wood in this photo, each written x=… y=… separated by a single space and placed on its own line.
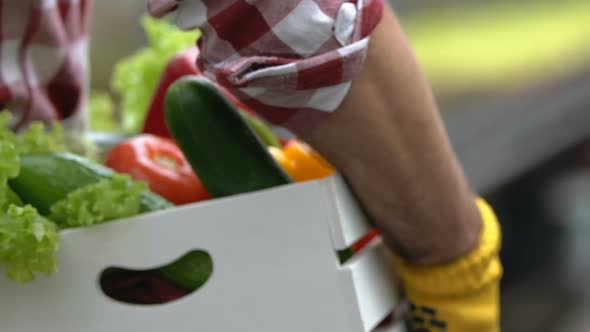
x=348 y=221
x=275 y=269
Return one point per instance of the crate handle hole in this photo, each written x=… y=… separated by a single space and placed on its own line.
x=164 y=284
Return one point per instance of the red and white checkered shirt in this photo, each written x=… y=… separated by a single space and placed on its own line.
x=43 y=59
x=292 y=61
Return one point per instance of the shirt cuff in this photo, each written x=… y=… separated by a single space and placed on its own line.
x=291 y=61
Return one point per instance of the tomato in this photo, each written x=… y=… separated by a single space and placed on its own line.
x=159 y=162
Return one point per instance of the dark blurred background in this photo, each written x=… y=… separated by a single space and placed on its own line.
x=513 y=83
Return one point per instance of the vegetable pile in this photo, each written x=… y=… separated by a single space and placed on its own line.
x=198 y=143
x=45 y=189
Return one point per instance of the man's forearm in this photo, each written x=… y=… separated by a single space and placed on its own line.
x=397 y=156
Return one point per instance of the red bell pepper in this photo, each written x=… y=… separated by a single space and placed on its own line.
x=182 y=64
x=160 y=163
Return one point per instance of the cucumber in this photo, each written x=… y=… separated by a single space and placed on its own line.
x=46 y=178
x=223 y=150
x=219 y=143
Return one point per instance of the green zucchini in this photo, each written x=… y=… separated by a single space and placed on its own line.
x=216 y=140
x=46 y=178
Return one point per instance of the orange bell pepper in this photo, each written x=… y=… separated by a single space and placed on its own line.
x=159 y=162
x=301 y=162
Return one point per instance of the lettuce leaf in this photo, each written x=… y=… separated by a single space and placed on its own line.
x=36 y=138
x=28 y=241
x=9 y=160
x=102 y=113
x=28 y=244
x=9 y=164
x=107 y=200
x=135 y=78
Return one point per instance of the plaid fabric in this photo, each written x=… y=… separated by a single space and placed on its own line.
x=290 y=60
x=43 y=59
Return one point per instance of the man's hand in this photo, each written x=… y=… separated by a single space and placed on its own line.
x=389 y=142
